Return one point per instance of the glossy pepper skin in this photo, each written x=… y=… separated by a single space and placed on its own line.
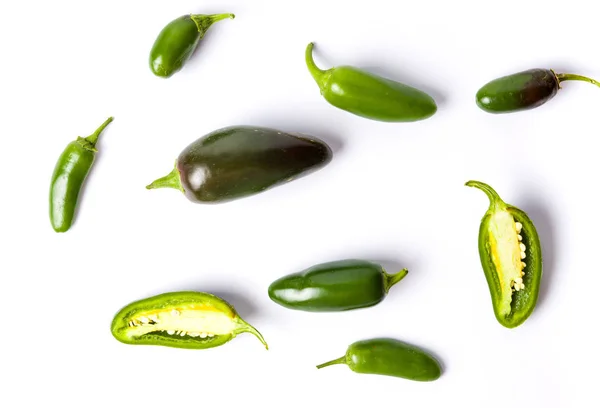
x=69 y=176
x=370 y=96
x=511 y=258
x=334 y=286
x=178 y=40
x=389 y=357
x=240 y=161
x=523 y=90
x=186 y=319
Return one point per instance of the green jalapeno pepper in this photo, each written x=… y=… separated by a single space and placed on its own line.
x=389 y=357
x=178 y=40
x=511 y=258
x=239 y=161
x=523 y=90
x=335 y=286
x=370 y=96
x=68 y=178
x=189 y=320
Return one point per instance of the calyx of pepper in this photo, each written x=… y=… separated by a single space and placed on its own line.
x=502 y=238
x=171 y=180
x=204 y=21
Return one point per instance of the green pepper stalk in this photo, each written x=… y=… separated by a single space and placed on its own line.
x=68 y=178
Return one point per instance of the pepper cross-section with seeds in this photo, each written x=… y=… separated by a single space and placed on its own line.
x=193 y=320
x=511 y=257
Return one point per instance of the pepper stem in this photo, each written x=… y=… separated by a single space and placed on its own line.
x=204 y=21
x=93 y=138
x=171 y=180
x=317 y=73
x=391 y=280
x=245 y=327
x=495 y=199
x=575 y=77
x=341 y=360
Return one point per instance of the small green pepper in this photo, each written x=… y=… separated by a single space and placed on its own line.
x=370 y=96
x=334 y=286
x=178 y=40
x=189 y=320
x=511 y=257
x=239 y=161
x=68 y=178
x=390 y=357
x=523 y=90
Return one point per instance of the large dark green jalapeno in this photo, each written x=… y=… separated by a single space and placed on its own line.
x=190 y=320
x=390 y=357
x=240 y=161
x=178 y=40
x=523 y=90
x=334 y=286
x=370 y=96
x=511 y=257
x=68 y=178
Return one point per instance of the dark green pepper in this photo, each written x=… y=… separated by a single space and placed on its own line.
x=524 y=90
x=334 y=286
x=240 y=161
x=370 y=96
x=389 y=357
x=511 y=257
x=68 y=178
x=189 y=320
x=178 y=40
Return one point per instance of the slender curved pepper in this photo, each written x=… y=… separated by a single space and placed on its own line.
x=370 y=96
x=335 y=286
x=523 y=90
x=511 y=258
x=68 y=178
x=239 y=161
x=178 y=40
x=389 y=357
x=187 y=319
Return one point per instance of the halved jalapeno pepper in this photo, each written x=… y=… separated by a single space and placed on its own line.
x=511 y=257
x=191 y=320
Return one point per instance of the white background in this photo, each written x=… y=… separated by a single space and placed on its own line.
x=394 y=193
